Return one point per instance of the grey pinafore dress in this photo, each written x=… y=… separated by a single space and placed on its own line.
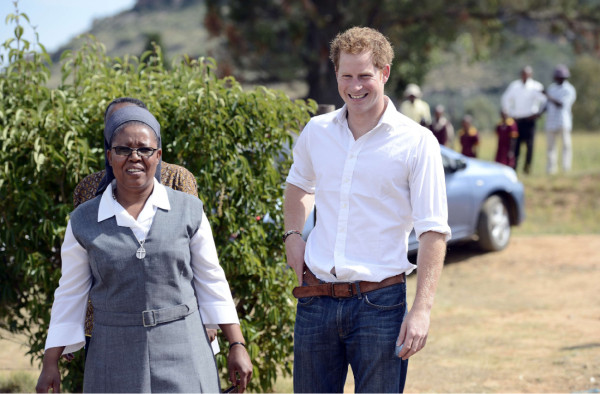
x=148 y=335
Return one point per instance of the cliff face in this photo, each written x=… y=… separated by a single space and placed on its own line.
x=163 y=4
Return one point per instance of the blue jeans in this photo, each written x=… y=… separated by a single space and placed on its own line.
x=361 y=331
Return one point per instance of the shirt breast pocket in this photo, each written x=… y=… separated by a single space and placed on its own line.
x=381 y=178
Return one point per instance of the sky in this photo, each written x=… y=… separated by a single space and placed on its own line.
x=57 y=21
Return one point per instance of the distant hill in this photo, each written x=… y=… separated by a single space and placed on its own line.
x=457 y=79
x=178 y=23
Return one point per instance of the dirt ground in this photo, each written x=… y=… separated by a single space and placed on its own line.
x=526 y=319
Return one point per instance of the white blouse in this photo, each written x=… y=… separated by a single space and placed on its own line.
x=70 y=298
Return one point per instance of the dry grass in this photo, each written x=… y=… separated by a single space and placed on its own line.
x=526 y=319
x=16 y=372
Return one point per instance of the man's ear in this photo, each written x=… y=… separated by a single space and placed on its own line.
x=385 y=71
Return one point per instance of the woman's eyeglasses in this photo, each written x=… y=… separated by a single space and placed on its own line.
x=127 y=151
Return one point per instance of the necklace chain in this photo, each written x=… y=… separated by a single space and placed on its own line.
x=141 y=252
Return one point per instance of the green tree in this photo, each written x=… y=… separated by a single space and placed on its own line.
x=231 y=139
x=485 y=113
x=585 y=77
x=286 y=40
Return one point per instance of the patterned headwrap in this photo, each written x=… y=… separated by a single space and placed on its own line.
x=130 y=113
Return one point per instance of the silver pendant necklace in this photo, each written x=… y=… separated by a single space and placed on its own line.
x=141 y=252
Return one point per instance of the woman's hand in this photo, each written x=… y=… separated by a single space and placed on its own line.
x=239 y=366
x=68 y=357
x=238 y=361
x=50 y=376
x=212 y=334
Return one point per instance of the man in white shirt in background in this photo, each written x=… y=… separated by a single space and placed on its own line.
x=524 y=101
x=373 y=174
x=414 y=107
x=559 y=119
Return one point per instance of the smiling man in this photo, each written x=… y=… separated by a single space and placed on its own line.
x=373 y=174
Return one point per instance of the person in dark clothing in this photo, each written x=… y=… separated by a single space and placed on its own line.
x=469 y=137
x=507 y=134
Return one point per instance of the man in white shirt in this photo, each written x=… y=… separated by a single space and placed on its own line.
x=559 y=119
x=524 y=101
x=414 y=107
x=373 y=174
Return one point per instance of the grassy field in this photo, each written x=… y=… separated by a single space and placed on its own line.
x=562 y=203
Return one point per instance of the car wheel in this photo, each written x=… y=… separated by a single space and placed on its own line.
x=494 y=225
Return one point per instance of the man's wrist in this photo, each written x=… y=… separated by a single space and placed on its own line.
x=290 y=232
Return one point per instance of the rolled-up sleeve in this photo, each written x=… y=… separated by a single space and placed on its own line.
x=428 y=189
x=302 y=173
x=212 y=290
x=70 y=298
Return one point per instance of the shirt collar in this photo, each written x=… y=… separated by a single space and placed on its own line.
x=390 y=115
x=159 y=198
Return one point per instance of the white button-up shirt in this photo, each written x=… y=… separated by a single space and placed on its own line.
x=522 y=100
x=369 y=193
x=560 y=118
x=70 y=298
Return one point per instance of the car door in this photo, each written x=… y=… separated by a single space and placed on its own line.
x=459 y=190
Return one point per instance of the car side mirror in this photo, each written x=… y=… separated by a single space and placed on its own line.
x=454 y=166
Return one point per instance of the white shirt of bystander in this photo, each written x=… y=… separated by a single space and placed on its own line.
x=522 y=100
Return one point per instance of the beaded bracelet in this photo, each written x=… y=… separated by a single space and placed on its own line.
x=232 y=344
x=288 y=233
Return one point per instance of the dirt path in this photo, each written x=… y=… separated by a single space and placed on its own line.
x=526 y=319
x=13 y=358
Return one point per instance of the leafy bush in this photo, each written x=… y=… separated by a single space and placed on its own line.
x=485 y=114
x=229 y=138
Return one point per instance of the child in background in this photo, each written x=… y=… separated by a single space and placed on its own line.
x=469 y=137
x=442 y=128
x=507 y=140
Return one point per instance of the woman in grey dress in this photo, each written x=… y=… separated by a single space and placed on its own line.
x=144 y=255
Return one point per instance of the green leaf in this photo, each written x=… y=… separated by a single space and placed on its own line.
x=19 y=32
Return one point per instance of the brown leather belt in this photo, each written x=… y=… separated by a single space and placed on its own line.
x=342 y=289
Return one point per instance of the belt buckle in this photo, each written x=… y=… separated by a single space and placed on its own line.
x=149 y=313
x=347 y=286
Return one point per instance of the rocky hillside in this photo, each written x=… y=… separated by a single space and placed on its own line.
x=177 y=24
